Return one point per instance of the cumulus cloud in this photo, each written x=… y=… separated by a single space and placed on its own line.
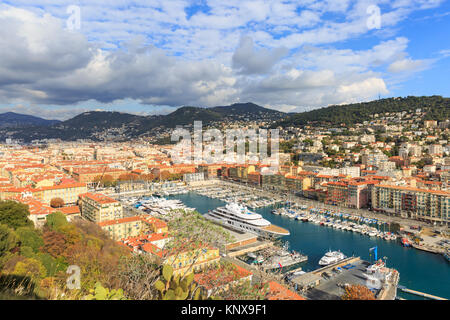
x=408 y=65
x=248 y=60
x=276 y=53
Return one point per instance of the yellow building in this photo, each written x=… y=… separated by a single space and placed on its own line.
x=202 y=257
x=123 y=228
x=409 y=202
x=99 y=208
x=68 y=192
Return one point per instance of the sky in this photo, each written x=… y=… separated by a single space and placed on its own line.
x=151 y=57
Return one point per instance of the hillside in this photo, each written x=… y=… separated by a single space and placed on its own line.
x=436 y=108
x=248 y=110
x=97 y=125
x=16 y=120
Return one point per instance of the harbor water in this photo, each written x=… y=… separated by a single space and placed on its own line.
x=421 y=271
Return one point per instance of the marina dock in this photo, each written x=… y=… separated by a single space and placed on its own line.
x=421 y=294
x=325 y=284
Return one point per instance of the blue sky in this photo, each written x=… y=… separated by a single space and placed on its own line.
x=151 y=57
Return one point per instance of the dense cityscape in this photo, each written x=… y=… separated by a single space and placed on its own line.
x=386 y=179
x=231 y=157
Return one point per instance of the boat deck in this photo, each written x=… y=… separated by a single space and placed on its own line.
x=275 y=229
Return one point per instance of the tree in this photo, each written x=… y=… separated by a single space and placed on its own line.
x=8 y=239
x=30 y=237
x=57 y=203
x=225 y=282
x=358 y=292
x=164 y=175
x=107 y=180
x=148 y=177
x=55 y=243
x=14 y=214
x=137 y=276
x=30 y=267
x=128 y=177
x=56 y=220
x=190 y=231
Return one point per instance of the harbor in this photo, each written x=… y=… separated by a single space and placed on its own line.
x=313 y=231
x=420 y=270
x=275 y=258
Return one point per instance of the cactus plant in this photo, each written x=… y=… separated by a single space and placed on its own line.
x=101 y=293
x=173 y=287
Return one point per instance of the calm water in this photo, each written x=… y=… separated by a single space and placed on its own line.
x=419 y=270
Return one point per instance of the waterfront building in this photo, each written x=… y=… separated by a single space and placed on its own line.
x=428 y=205
x=210 y=170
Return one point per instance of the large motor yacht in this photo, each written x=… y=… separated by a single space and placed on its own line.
x=238 y=217
x=331 y=257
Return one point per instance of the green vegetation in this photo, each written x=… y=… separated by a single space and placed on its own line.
x=14 y=214
x=33 y=262
x=87 y=124
x=101 y=293
x=173 y=287
x=436 y=108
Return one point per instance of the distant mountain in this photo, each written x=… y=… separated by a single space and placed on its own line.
x=248 y=110
x=17 y=120
x=435 y=107
x=236 y=112
x=99 y=120
x=97 y=125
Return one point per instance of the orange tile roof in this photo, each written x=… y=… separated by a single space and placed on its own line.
x=118 y=221
x=64 y=186
x=280 y=292
x=98 y=197
x=221 y=276
x=438 y=192
x=70 y=210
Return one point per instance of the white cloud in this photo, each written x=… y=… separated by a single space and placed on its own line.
x=408 y=65
x=276 y=53
x=248 y=60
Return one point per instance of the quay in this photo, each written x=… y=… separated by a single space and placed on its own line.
x=326 y=284
x=427 y=249
x=421 y=294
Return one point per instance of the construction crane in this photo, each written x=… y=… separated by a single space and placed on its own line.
x=101 y=178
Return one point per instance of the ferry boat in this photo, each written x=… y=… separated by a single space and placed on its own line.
x=331 y=257
x=238 y=217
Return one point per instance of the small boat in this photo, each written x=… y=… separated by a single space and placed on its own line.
x=447 y=255
x=405 y=242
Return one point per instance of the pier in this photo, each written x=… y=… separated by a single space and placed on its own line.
x=421 y=294
x=324 y=284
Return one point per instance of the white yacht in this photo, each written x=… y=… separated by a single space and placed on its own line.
x=331 y=257
x=238 y=217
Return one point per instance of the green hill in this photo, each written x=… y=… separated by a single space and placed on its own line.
x=436 y=108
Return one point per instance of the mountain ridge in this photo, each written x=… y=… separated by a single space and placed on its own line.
x=17 y=120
